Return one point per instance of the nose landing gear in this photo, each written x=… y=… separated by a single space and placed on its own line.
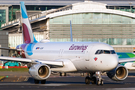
x=94 y=80
x=99 y=78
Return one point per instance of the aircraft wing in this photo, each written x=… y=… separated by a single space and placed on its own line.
x=48 y=62
x=5 y=48
x=122 y=60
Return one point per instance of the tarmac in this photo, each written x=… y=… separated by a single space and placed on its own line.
x=22 y=80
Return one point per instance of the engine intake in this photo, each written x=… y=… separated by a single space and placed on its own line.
x=118 y=74
x=40 y=71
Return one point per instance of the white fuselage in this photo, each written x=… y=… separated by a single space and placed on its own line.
x=81 y=55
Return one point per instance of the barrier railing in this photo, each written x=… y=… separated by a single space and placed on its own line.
x=32 y=17
x=19 y=19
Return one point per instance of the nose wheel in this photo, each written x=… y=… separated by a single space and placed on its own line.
x=94 y=80
x=100 y=82
x=99 y=78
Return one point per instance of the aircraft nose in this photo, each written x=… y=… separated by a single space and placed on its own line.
x=113 y=62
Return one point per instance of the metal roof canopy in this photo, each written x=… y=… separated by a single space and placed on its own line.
x=40 y=2
x=67 y=2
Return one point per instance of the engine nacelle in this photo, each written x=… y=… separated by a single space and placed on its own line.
x=118 y=74
x=40 y=71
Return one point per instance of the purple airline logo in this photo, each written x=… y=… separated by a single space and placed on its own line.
x=77 y=47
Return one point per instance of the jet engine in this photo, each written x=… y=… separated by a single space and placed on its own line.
x=40 y=71
x=118 y=74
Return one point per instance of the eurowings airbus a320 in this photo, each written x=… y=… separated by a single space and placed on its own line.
x=88 y=57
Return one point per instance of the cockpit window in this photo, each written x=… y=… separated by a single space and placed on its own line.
x=101 y=51
x=98 y=51
x=113 y=52
x=105 y=52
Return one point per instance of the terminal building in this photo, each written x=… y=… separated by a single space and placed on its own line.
x=92 y=21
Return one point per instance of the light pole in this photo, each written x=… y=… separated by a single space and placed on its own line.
x=130 y=5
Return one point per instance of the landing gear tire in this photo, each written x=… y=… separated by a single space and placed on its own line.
x=43 y=81
x=65 y=74
x=62 y=74
x=98 y=82
x=94 y=80
x=101 y=82
x=87 y=80
x=36 y=81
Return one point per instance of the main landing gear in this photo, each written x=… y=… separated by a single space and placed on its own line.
x=62 y=74
x=94 y=80
x=37 y=81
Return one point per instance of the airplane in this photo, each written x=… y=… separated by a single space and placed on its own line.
x=44 y=57
x=128 y=65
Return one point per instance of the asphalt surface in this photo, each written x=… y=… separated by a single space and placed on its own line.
x=21 y=81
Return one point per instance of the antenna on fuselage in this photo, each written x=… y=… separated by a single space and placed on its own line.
x=71 y=38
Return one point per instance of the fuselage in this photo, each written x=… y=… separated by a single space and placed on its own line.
x=85 y=56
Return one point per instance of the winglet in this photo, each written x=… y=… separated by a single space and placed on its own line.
x=28 y=35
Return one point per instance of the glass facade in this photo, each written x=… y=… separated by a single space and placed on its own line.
x=102 y=27
x=93 y=18
x=2 y=16
x=16 y=39
x=12 y=11
x=129 y=8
